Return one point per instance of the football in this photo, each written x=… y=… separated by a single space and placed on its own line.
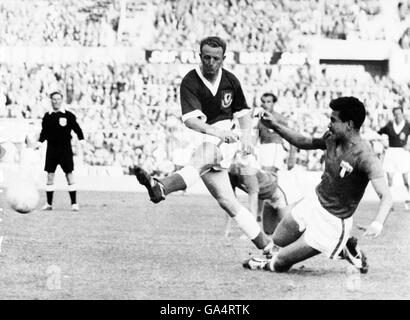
x=22 y=197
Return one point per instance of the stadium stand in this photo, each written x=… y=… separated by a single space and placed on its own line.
x=130 y=109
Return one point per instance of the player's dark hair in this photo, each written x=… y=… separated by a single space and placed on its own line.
x=54 y=93
x=270 y=94
x=398 y=108
x=214 y=42
x=350 y=108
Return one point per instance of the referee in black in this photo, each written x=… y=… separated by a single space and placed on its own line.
x=56 y=130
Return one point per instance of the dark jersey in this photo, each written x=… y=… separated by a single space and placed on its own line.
x=257 y=181
x=57 y=127
x=346 y=176
x=396 y=140
x=200 y=99
x=267 y=135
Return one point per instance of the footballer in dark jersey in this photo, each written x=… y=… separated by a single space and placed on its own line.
x=397 y=156
x=57 y=126
x=321 y=222
x=211 y=97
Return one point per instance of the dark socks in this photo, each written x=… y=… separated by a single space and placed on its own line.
x=172 y=183
x=73 y=196
x=261 y=241
x=49 y=195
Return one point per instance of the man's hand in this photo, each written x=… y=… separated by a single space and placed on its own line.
x=269 y=120
x=228 y=136
x=373 y=230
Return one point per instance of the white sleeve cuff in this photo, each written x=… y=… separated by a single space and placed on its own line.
x=241 y=113
x=194 y=114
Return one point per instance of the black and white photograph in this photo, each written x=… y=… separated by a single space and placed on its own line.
x=222 y=151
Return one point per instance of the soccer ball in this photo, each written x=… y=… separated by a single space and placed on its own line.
x=22 y=197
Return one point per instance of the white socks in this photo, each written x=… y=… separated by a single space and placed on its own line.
x=247 y=223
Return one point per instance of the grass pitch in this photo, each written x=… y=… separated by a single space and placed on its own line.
x=121 y=246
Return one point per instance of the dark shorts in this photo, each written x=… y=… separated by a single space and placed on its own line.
x=267 y=192
x=64 y=159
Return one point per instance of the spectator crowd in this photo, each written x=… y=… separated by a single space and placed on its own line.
x=130 y=111
x=261 y=25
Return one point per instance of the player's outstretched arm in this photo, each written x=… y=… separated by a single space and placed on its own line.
x=293 y=137
x=386 y=202
x=201 y=126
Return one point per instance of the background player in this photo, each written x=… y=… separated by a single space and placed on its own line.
x=210 y=99
x=56 y=130
x=397 y=157
x=264 y=196
x=321 y=222
x=272 y=155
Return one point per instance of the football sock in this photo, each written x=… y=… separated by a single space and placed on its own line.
x=263 y=242
x=180 y=180
x=250 y=227
x=49 y=193
x=73 y=193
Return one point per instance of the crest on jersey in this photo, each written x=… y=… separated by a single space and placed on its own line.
x=402 y=136
x=227 y=98
x=62 y=121
x=345 y=169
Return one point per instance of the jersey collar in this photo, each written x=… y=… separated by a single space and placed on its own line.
x=62 y=110
x=212 y=87
x=398 y=127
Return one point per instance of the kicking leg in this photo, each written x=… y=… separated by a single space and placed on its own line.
x=291 y=254
x=159 y=188
x=286 y=232
x=206 y=154
x=295 y=251
x=218 y=184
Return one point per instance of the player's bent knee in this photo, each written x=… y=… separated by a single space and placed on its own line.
x=281 y=265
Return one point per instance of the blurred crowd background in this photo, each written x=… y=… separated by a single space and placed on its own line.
x=130 y=111
x=246 y=25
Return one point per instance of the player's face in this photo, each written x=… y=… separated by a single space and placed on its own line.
x=267 y=103
x=398 y=115
x=336 y=126
x=212 y=59
x=56 y=101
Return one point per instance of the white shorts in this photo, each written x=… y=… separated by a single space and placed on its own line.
x=227 y=150
x=396 y=160
x=272 y=154
x=323 y=231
